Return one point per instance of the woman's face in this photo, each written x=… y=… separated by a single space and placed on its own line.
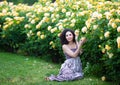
x=69 y=36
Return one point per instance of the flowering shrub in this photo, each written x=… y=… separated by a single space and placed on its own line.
x=36 y=31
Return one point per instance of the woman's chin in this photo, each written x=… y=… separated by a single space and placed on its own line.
x=69 y=40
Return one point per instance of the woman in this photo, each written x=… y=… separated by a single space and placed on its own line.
x=71 y=69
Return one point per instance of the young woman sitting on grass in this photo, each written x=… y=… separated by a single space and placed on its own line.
x=71 y=69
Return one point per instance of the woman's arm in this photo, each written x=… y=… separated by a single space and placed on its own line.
x=67 y=50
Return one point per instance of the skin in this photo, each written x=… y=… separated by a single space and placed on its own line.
x=71 y=45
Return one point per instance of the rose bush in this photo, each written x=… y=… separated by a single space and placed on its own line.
x=34 y=30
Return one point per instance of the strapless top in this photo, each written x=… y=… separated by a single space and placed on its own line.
x=67 y=56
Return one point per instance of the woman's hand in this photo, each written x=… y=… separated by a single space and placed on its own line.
x=82 y=41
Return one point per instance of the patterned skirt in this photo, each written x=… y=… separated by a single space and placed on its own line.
x=71 y=69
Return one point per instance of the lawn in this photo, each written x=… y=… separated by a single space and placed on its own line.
x=25 y=70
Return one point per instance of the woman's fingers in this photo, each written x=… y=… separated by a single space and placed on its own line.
x=82 y=41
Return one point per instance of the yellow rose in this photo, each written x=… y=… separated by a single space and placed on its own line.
x=88 y=23
x=57 y=15
x=107 y=47
x=118 y=42
x=8 y=19
x=42 y=36
x=52 y=15
x=107 y=34
x=118 y=29
x=99 y=16
x=103 y=50
x=114 y=25
x=84 y=29
x=4 y=11
x=101 y=37
x=53 y=46
x=27 y=26
x=68 y=14
x=55 y=28
x=103 y=78
x=51 y=42
x=47 y=14
x=44 y=19
x=110 y=54
x=28 y=14
x=33 y=21
x=60 y=27
x=18 y=22
x=73 y=21
x=5 y=27
x=53 y=20
x=73 y=15
x=47 y=20
x=38 y=26
x=65 y=20
x=2 y=14
x=117 y=20
x=52 y=30
x=57 y=9
x=49 y=28
x=28 y=34
x=36 y=19
x=64 y=10
x=108 y=15
x=99 y=46
x=95 y=27
x=76 y=32
x=118 y=11
x=59 y=34
x=72 y=25
x=38 y=33
x=80 y=14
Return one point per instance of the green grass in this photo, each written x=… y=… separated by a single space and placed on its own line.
x=25 y=70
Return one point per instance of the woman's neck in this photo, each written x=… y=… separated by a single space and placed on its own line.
x=70 y=43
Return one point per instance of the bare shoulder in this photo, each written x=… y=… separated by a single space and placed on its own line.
x=64 y=46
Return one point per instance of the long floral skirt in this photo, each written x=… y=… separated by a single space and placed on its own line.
x=71 y=69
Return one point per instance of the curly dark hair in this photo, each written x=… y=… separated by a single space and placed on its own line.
x=63 y=36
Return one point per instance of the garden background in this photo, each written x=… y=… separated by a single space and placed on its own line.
x=33 y=30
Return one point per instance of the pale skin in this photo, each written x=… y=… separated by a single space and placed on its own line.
x=66 y=47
